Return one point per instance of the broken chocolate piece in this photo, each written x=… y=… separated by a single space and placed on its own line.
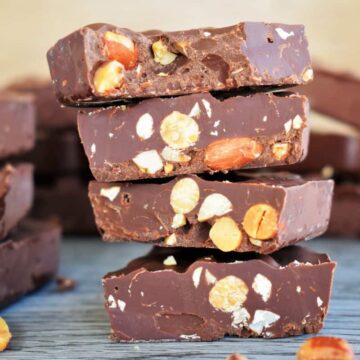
x=194 y=134
x=335 y=94
x=28 y=259
x=17 y=124
x=260 y=214
x=16 y=195
x=102 y=62
x=201 y=295
x=49 y=113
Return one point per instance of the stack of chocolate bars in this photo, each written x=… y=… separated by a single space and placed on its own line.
x=335 y=144
x=29 y=249
x=175 y=113
x=61 y=171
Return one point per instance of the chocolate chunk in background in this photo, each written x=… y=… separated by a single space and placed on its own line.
x=65 y=201
x=102 y=62
x=336 y=94
x=202 y=295
x=16 y=195
x=57 y=153
x=29 y=257
x=49 y=113
x=17 y=124
x=345 y=213
x=194 y=134
x=235 y=214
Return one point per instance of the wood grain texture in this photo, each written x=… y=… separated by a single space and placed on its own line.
x=74 y=325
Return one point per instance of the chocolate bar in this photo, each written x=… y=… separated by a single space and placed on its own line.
x=17 y=124
x=258 y=214
x=335 y=94
x=65 y=201
x=16 y=195
x=57 y=153
x=345 y=218
x=49 y=113
x=194 y=134
x=202 y=295
x=29 y=257
x=101 y=62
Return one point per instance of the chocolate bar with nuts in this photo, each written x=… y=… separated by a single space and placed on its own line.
x=335 y=94
x=258 y=214
x=64 y=200
x=17 y=124
x=16 y=195
x=49 y=113
x=345 y=213
x=29 y=257
x=202 y=295
x=102 y=63
x=194 y=134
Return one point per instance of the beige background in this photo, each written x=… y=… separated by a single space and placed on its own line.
x=29 y=27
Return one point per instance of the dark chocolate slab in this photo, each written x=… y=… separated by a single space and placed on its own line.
x=261 y=214
x=345 y=213
x=49 y=113
x=194 y=134
x=29 y=257
x=196 y=295
x=16 y=195
x=65 y=201
x=335 y=94
x=102 y=62
x=17 y=124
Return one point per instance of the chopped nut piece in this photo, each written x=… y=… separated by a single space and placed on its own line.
x=145 y=126
x=231 y=153
x=170 y=240
x=108 y=77
x=228 y=294
x=181 y=47
x=195 y=111
x=174 y=155
x=236 y=356
x=325 y=348
x=209 y=277
x=161 y=53
x=65 y=284
x=168 y=168
x=5 y=334
x=149 y=161
x=280 y=151
x=260 y=222
x=256 y=242
x=262 y=320
x=110 y=193
x=297 y=122
x=179 y=131
x=120 y=48
x=262 y=286
x=308 y=75
x=196 y=276
x=225 y=234
x=179 y=220
x=170 y=261
x=184 y=196
x=214 y=205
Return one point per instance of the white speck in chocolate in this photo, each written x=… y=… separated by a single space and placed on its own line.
x=284 y=34
x=149 y=161
x=190 y=337
x=210 y=278
x=298 y=289
x=145 y=126
x=122 y=305
x=207 y=107
x=207 y=34
x=262 y=286
x=111 y=135
x=214 y=133
x=216 y=123
x=297 y=122
x=142 y=293
x=319 y=301
x=110 y=193
x=93 y=148
x=196 y=276
x=262 y=320
x=170 y=261
x=195 y=111
x=264 y=119
x=111 y=302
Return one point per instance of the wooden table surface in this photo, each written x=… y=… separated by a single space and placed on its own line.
x=74 y=325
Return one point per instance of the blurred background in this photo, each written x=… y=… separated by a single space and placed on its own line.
x=29 y=28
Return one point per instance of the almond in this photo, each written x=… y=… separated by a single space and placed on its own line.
x=231 y=153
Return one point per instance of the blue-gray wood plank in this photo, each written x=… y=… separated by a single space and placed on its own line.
x=48 y=325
